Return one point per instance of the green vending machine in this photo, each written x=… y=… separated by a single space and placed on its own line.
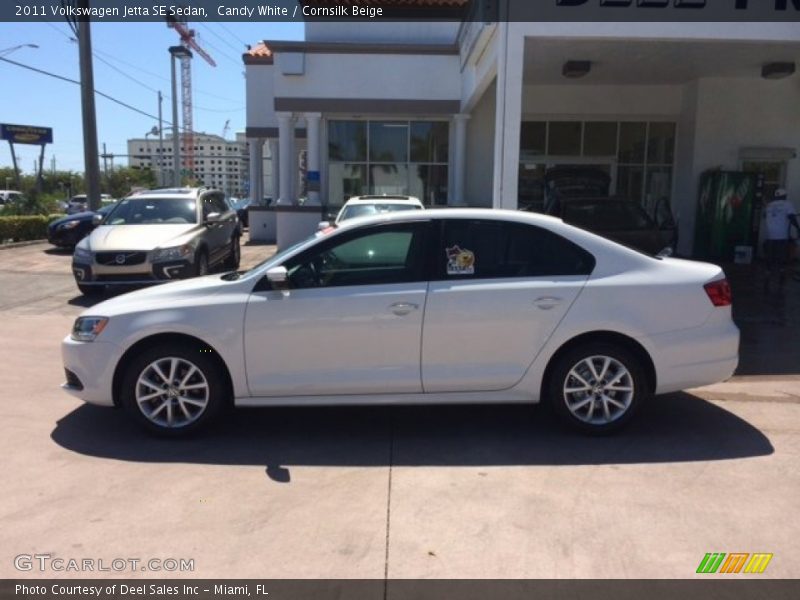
x=725 y=213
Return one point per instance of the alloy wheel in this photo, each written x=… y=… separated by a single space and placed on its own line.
x=172 y=392
x=598 y=390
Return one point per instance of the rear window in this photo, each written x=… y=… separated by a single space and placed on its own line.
x=365 y=210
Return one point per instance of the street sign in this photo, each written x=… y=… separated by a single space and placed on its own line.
x=26 y=134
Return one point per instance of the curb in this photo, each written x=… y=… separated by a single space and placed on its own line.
x=21 y=244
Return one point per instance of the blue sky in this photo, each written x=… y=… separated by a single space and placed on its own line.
x=139 y=50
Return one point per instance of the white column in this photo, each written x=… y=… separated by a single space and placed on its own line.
x=459 y=158
x=274 y=192
x=313 y=156
x=508 y=116
x=256 y=162
x=286 y=151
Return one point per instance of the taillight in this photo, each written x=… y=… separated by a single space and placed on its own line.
x=719 y=292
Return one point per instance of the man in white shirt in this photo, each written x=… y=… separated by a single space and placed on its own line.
x=779 y=217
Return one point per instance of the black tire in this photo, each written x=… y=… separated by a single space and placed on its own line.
x=90 y=290
x=597 y=396
x=201 y=264
x=209 y=370
x=235 y=254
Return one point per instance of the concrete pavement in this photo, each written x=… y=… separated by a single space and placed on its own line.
x=452 y=492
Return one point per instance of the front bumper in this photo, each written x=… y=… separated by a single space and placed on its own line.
x=144 y=274
x=91 y=370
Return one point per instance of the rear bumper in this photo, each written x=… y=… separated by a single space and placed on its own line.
x=696 y=357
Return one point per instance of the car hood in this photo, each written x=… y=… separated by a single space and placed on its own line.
x=135 y=237
x=164 y=296
x=84 y=216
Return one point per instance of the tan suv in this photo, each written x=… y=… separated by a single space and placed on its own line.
x=157 y=236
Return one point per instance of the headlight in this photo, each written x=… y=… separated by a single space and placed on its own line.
x=86 y=329
x=174 y=253
x=69 y=225
x=82 y=254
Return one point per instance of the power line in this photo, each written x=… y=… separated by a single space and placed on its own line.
x=76 y=82
x=243 y=43
x=226 y=42
x=218 y=49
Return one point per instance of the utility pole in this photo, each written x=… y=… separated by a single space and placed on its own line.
x=176 y=149
x=91 y=166
x=161 y=181
x=105 y=163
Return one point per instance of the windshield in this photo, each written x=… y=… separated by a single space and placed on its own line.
x=364 y=210
x=150 y=211
x=607 y=215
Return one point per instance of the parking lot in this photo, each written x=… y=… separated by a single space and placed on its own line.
x=406 y=492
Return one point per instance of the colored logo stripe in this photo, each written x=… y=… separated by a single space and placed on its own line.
x=711 y=562
x=758 y=563
x=734 y=562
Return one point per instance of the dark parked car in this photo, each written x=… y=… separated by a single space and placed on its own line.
x=618 y=219
x=68 y=231
x=240 y=205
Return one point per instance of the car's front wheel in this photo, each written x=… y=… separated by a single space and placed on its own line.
x=201 y=264
x=173 y=389
x=597 y=387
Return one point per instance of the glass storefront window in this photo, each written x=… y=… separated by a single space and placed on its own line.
x=630 y=181
x=347 y=141
x=533 y=138
x=346 y=180
x=661 y=143
x=564 y=138
x=658 y=191
x=394 y=157
x=388 y=142
x=429 y=184
x=429 y=142
x=600 y=138
x=388 y=179
x=632 y=138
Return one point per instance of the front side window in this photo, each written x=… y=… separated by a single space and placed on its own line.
x=376 y=256
x=488 y=249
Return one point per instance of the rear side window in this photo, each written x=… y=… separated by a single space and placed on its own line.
x=487 y=249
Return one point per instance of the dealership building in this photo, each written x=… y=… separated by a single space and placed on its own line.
x=474 y=113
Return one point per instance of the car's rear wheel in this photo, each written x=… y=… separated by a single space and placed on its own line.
x=597 y=387
x=173 y=389
x=235 y=254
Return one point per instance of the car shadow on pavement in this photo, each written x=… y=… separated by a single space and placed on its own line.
x=673 y=428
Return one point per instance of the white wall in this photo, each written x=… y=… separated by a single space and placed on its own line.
x=259 y=85
x=583 y=101
x=418 y=32
x=389 y=76
x=480 y=151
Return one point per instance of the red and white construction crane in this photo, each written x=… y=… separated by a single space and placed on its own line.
x=187 y=41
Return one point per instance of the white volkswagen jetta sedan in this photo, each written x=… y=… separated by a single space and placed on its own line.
x=439 y=306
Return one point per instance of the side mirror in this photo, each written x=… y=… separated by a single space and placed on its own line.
x=213 y=217
x=97 y=219
x=322 y=225
x=277 y=276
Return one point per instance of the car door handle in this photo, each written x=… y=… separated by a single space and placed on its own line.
x=547 y=302
x=403 y=308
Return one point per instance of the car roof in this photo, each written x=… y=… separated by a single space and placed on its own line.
x=386 y=198
x=453 y=213
x=170 y=193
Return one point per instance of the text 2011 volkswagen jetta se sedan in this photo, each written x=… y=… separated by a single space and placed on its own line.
x=440 y=306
